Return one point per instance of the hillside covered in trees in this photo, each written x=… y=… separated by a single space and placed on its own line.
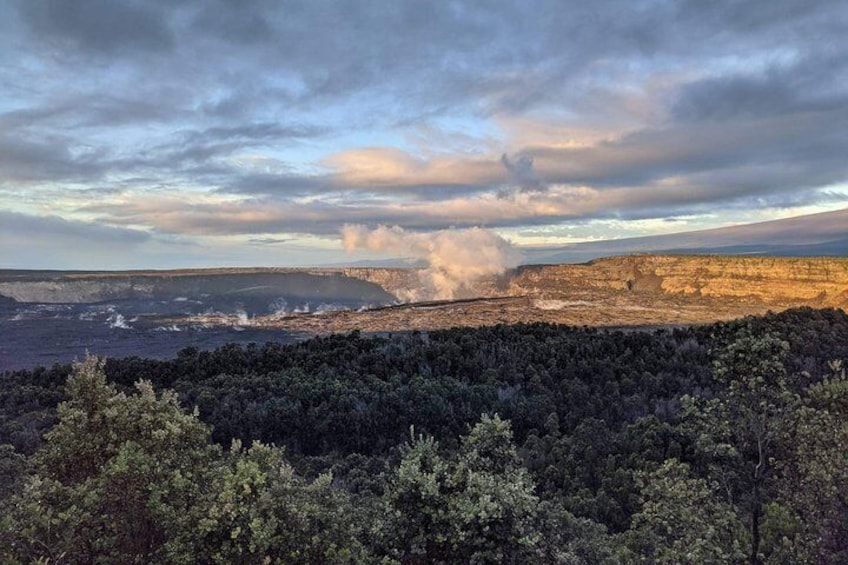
x=513 y=444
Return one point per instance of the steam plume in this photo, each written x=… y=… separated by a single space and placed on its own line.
x=455 y=258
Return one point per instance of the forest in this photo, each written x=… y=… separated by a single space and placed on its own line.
x=723 y=443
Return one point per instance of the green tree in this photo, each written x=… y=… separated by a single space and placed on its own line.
x=814 y=482
x=569 y=540
x=261 y=512
x=739 y=432
x=683 y=520
x=417 y=498
x=477 y=508
x=319 y=523
x=492 y=510
x=118 y=476
x=14 y=469
x=239 y=523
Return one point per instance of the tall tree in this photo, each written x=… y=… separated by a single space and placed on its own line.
x=683 y=520
x=814 y=485
x=117 y=477
x=477 y=508
x=261 y=512
x=740 y=430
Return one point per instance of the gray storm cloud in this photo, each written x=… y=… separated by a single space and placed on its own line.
x=538 y=113
x=455 y=259
x=522 y=172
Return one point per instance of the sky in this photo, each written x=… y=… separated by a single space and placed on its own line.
x=187 y=133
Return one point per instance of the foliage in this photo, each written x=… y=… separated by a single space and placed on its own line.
x=115 y=475
x=739 y=433
x=814 y=485
x=476 y=508
x=683 y=520
x=722 y=443
x=260 y=511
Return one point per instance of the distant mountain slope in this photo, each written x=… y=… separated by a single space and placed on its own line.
x=824 y=234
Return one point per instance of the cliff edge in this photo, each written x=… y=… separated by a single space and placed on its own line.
x=768 y=280
x=778 y=281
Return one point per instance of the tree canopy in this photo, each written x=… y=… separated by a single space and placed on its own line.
x=513 y=444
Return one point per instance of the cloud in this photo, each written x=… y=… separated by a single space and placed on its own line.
x=269 y=240
x=18 y=227
x=802 y=85
x=101 y=26
x=456 y=259
x=261 y=119
x=384 y=168
x=212 y=217
x=522 y=172
x=808 y=140
x=28 y=241
x=49 y=158
x=239 y=22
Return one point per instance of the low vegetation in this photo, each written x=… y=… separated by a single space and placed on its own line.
x=514 y=444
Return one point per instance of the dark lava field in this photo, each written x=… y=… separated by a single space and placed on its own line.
x=51 y=317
